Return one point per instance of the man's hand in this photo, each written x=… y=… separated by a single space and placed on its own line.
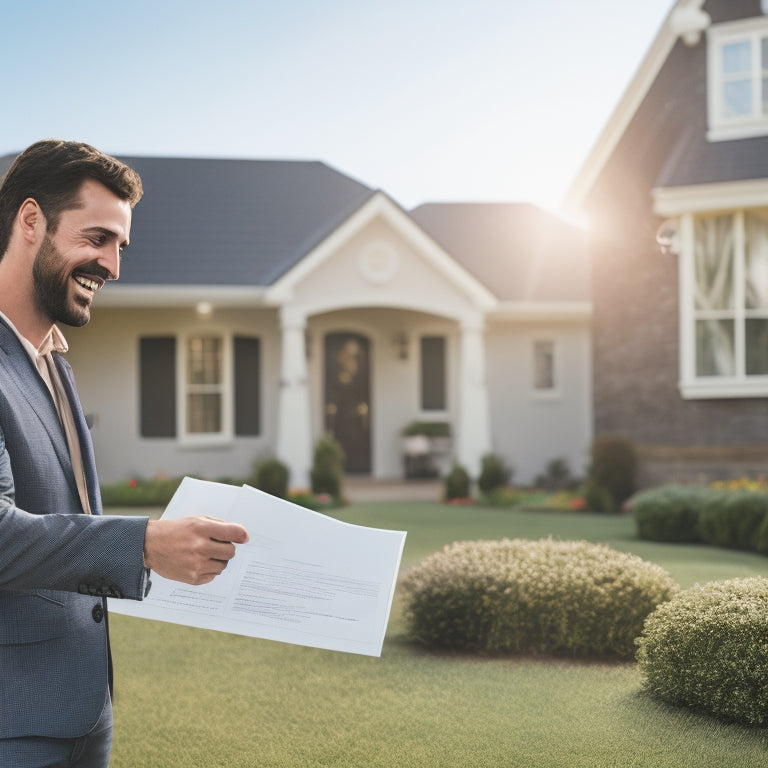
x=191 y=549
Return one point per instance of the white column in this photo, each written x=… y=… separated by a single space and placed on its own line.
x=294 y=429
x=474 y=422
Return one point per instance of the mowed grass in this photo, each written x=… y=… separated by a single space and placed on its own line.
x=189 y=697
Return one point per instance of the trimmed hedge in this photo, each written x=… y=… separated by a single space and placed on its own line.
x=722 y=518
x=707 y=649
x=550 y=597
x=669 y=513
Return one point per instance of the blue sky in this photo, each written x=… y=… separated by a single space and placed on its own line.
x=430 y=100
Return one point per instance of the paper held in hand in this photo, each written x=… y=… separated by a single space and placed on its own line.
x=303 y=578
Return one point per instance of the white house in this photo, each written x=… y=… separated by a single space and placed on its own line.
x=264 y=303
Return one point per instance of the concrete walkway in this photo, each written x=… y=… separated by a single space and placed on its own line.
x=370 y=489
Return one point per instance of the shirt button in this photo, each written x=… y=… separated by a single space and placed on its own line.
x=97 y=613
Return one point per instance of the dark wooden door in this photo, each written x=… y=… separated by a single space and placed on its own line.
x=348 y=397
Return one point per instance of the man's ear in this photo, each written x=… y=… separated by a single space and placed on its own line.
x=31 y=221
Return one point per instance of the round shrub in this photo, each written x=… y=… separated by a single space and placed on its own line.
x=567 y=598
x=614 y=467
x=271 y=476
x=456 y=483
x=327 y=474
x=493 y=473
x=669 y=513
x=708 y=649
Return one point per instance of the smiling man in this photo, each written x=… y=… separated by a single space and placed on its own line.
x=65 y=217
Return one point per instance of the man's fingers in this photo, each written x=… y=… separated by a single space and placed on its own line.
x=222 y=531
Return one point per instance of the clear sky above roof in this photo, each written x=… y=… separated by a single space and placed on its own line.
x=430 y=100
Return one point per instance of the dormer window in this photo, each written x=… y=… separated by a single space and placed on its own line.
x=738 y=80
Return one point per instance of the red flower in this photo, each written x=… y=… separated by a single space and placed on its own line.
x=132 y=483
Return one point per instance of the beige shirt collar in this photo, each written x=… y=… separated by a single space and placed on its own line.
x=53 y=342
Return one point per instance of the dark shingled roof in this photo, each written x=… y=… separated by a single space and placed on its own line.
x=247 y=222
x=517 y=250
x=230 y=222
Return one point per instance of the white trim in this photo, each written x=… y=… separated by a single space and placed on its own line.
x=723 y=390
x=379 y=205
x=633 y=96
x=534 y=311
x=179 y=295
x=705 y=198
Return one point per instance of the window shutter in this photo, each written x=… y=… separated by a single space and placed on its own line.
x=157 y=366
x=433 y=373
x=247 y=385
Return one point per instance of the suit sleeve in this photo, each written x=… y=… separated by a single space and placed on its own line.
x=89 y=554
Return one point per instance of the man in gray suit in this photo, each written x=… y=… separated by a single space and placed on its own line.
x=65 y=216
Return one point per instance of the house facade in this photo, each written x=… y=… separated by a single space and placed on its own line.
x=676 y=190
x=263 y=304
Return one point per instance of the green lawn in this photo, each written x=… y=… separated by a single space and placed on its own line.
x=188 y=697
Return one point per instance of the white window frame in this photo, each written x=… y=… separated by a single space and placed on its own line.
x=226 y=388
x=722 y=128
x=545 y=393
x=739 y=385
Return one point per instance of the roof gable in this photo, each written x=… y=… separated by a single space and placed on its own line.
x=380 y=206
x=685 y=19
x=661 y=120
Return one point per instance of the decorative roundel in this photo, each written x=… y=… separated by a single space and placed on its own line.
x=379 y=261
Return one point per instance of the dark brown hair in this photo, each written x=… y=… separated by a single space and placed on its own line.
x=51 y=172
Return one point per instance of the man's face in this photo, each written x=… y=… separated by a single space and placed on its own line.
x=76 y=261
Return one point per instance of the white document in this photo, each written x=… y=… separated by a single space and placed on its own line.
x=303 y=577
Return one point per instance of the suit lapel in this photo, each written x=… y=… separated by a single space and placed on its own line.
x=20 y=374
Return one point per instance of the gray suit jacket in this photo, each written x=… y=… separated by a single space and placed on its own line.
x=56 y=564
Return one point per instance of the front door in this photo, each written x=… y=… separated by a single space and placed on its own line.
x=348 y=397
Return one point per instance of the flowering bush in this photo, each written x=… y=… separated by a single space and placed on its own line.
x=708 y=649
x=137 y=492
x=549 y=597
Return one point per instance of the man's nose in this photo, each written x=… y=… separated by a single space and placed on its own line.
x=109 y=260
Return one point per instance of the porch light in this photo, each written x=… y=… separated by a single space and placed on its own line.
x=400 y=343
x=667 y=237
x=204 y=308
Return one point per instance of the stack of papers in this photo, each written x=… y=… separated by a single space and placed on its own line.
x=303 y=578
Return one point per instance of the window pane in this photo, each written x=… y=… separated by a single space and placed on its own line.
x=543 y=365
x=204 y=360
x=756 y=260
x=764 y=52
x=713 y=260
x=737 y=98
x=714 y=348
x=203 y=413
x=737 y=57
x=757 y=347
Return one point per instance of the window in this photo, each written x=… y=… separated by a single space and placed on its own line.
x=204 y=385
x=543 y=366
x=433 y=373
x=738 y=79
x=217 y=394
x=726 y=262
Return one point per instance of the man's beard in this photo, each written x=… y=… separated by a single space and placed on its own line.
x=53 y=289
